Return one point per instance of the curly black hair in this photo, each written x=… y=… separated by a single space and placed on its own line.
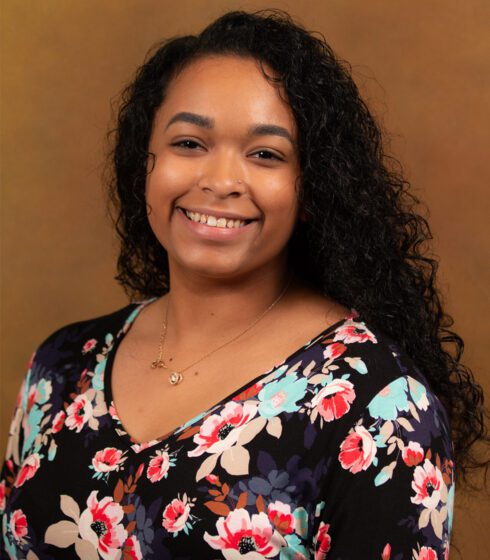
x=363 y=243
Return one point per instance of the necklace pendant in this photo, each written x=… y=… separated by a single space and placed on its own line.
x=158 y=364
x=175 y=378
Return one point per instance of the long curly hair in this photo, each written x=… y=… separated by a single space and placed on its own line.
x=363 y=243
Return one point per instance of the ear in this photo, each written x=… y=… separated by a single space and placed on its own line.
x=150 y=162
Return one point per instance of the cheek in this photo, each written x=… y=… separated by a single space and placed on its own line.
x=279 y=200
x=167 y=181
x=158 y=195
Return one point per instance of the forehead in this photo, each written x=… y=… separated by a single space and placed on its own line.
x=228 y=88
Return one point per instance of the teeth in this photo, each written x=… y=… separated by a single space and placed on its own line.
x=214 y=221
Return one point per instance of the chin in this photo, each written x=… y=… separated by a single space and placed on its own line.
x=211 y=267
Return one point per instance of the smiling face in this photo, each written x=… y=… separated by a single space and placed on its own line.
x=224 y=142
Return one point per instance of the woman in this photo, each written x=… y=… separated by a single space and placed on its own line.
x=279 y=388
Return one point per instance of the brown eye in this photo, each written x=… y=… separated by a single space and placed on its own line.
x=266 y=154
x=188 y=144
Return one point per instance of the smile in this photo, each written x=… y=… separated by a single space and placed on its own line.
x=215 y=221
x=214 y=232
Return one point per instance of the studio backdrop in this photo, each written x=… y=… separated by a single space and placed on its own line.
x=422 y=67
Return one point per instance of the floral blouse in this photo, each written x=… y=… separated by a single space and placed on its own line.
x=342 y=451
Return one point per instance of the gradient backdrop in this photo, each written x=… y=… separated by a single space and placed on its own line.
x=422 y=66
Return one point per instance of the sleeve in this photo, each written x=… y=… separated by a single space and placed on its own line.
x=390 y=493
x=16 y=438
x=32 y=413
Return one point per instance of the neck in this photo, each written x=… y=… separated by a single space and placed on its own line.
x=203 y=312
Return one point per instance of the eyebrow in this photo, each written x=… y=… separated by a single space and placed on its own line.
x=255 y=130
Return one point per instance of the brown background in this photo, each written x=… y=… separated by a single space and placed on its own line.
x=421 y=65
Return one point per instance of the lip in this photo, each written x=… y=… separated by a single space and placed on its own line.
x=211 y=232
x=218 y=213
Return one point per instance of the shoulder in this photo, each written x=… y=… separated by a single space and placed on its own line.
x=389 y=454
x=381 y=376
x=384 y=383
x=372 y=355
x=69 y=344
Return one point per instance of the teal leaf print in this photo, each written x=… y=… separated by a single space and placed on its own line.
x=390 y=400
x=385 y=474
x=281 y=396
x=357 y=364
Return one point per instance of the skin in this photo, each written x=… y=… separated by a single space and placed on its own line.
x=227 y=284
x=218 y=288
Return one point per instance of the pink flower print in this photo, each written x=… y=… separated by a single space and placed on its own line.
x=113 y=412
x=334 y=350
x=158 y=467
x=446 y=550
x=354 y=332
x=220 y=432
x=31 y=397
x=278 y=399
x=132 y=549
x=89 y=345
x=3 y=495
x=251 y=538
x=175 y=515
x=107 y=460
x=281 y=517
x=323 y=541
x=427 y=483
x=334 y=400
x=412 y=454
x=213 y=479
x=358 y=450
x=249 y=392
x=138 y=447
x=426 y=553
x=100 y=525
x=78 y=413
x=58 y=421
x=18 y=524
x=31 y=360
x=28 y=469
x=386 y=554
x=83 y=375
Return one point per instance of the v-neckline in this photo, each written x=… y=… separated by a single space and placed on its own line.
x=106 y=379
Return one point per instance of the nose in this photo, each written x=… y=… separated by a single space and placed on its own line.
x=222 y=173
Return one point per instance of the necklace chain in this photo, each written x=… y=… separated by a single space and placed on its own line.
x=175 y=377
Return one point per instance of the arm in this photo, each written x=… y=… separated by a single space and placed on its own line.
x=13 y=459
x=13 y=455
x=391 y=489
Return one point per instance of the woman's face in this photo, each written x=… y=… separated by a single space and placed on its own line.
x=224 y=143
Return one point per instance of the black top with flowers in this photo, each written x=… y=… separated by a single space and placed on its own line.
x=341 y=451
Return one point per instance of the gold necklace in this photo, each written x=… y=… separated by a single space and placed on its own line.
x=175 y=377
